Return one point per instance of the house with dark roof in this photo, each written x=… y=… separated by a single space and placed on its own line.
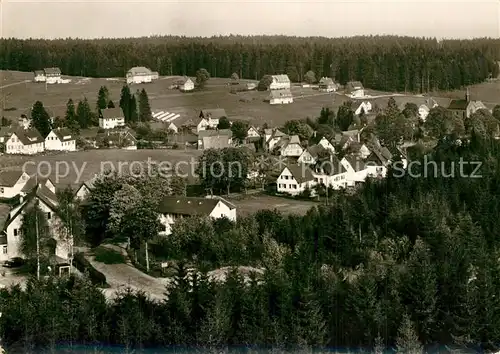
x=271 y=138
x=378 y=161
x=295 y=179
x=212 y=116
x=355 y=167
x=465 y=108
x=12 y=183
x=325 y=143
x=111 y=118
x=24 y=142
x=85 y=188
x=354 y=89
x=215 y=139
x=60 y=139
x=359 y=107
x=59 y=246
x=173 y=208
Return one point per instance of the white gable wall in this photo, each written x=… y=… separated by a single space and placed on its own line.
x=111 y=123
x=326 y=144
x=15 y=190
x=53 y=143
x=292 y=150
x=14 y=146
x=286 y=183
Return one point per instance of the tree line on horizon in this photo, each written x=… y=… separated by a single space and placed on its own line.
x=386 y=63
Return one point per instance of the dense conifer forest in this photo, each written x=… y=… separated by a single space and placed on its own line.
x=406 y=261
x=386 y=63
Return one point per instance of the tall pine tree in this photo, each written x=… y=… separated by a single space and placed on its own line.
x=84 y=114
x=71 y=119
x=40 y=119
x=125 y=103
x=102 y=99
x=144 y=107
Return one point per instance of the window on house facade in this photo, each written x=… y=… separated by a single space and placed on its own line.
x=2 y=190
x=4 y=249
x=49 y=215
x=15 y=232
x=294 y=186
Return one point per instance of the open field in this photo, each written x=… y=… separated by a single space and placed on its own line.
x=76 y=167
x=252 y=204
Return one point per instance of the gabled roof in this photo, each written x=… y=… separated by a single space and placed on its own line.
x=326 y=81
x=29 y=136
x=301 y=173
x=52 y=71
x=281 y=79
x=353 y=85
x=356 y=163
x=294 y=139
x=64 y=134
x=216 y=132
x=315 y=150
x=330 y=166
x=215 y=113
x=139 y=70
x=39 y=72
x=215 y=142
x=189 y=206
x=382 y=155
x=459 y=105
x=89 y=133
x=10 y=178
x=110 y=113
x=32 y=182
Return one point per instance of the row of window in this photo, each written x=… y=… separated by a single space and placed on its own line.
x=290 y=186
x=17 y=231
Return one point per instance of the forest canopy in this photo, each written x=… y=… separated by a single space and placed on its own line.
x=387 y=63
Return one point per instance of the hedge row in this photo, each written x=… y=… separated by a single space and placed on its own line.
x=84 y=266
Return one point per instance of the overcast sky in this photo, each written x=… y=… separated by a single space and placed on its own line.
x=330 y=18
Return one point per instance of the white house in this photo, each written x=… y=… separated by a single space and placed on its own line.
x=174 y=208
x=311 y=154
x=48 y=75
x=424 y=109
x=60 y=140
x=139 y=75
x=326 y=84
x=295 y=179
x=356 y=168
x=213 y=116
x=47 y=201
x=111 y=118
x=377 y=163
x=85 y=188
x=364 y=106
x=25 y=142
x=12 y=183
x=290 y=146
x=355 y=89
x=187 y=85
x=331 y=172
x=326 y=144
x=283 y=96
x=253 y=133
x=280 y=82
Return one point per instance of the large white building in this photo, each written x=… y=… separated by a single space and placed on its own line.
x=111 y=118
x=175 y=208
x=24 y=142
x=355 y=89
x=283 y=96
x=140 y=74
x=280 y=82
x=60 y=139
x=48 y=75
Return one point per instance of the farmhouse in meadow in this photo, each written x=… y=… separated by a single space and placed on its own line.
x=174 y=208
x=355 y=89
x=140 y=74
x=213 y=116
x=111 y=118
x=24 y=142
x=60 y=139
x=48 y=75
x=280 y=97
x=326 y=84
x=186 y=84
x=280 y=82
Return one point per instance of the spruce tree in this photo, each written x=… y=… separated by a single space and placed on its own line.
x=71 y=117
x=40 y=119
x=144 y=107
x=125 y=102
x=407 y=341
x=102 y=98
x=133 y=116
x=84 y=114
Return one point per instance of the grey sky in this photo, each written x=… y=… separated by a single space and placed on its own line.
x=330 y=18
